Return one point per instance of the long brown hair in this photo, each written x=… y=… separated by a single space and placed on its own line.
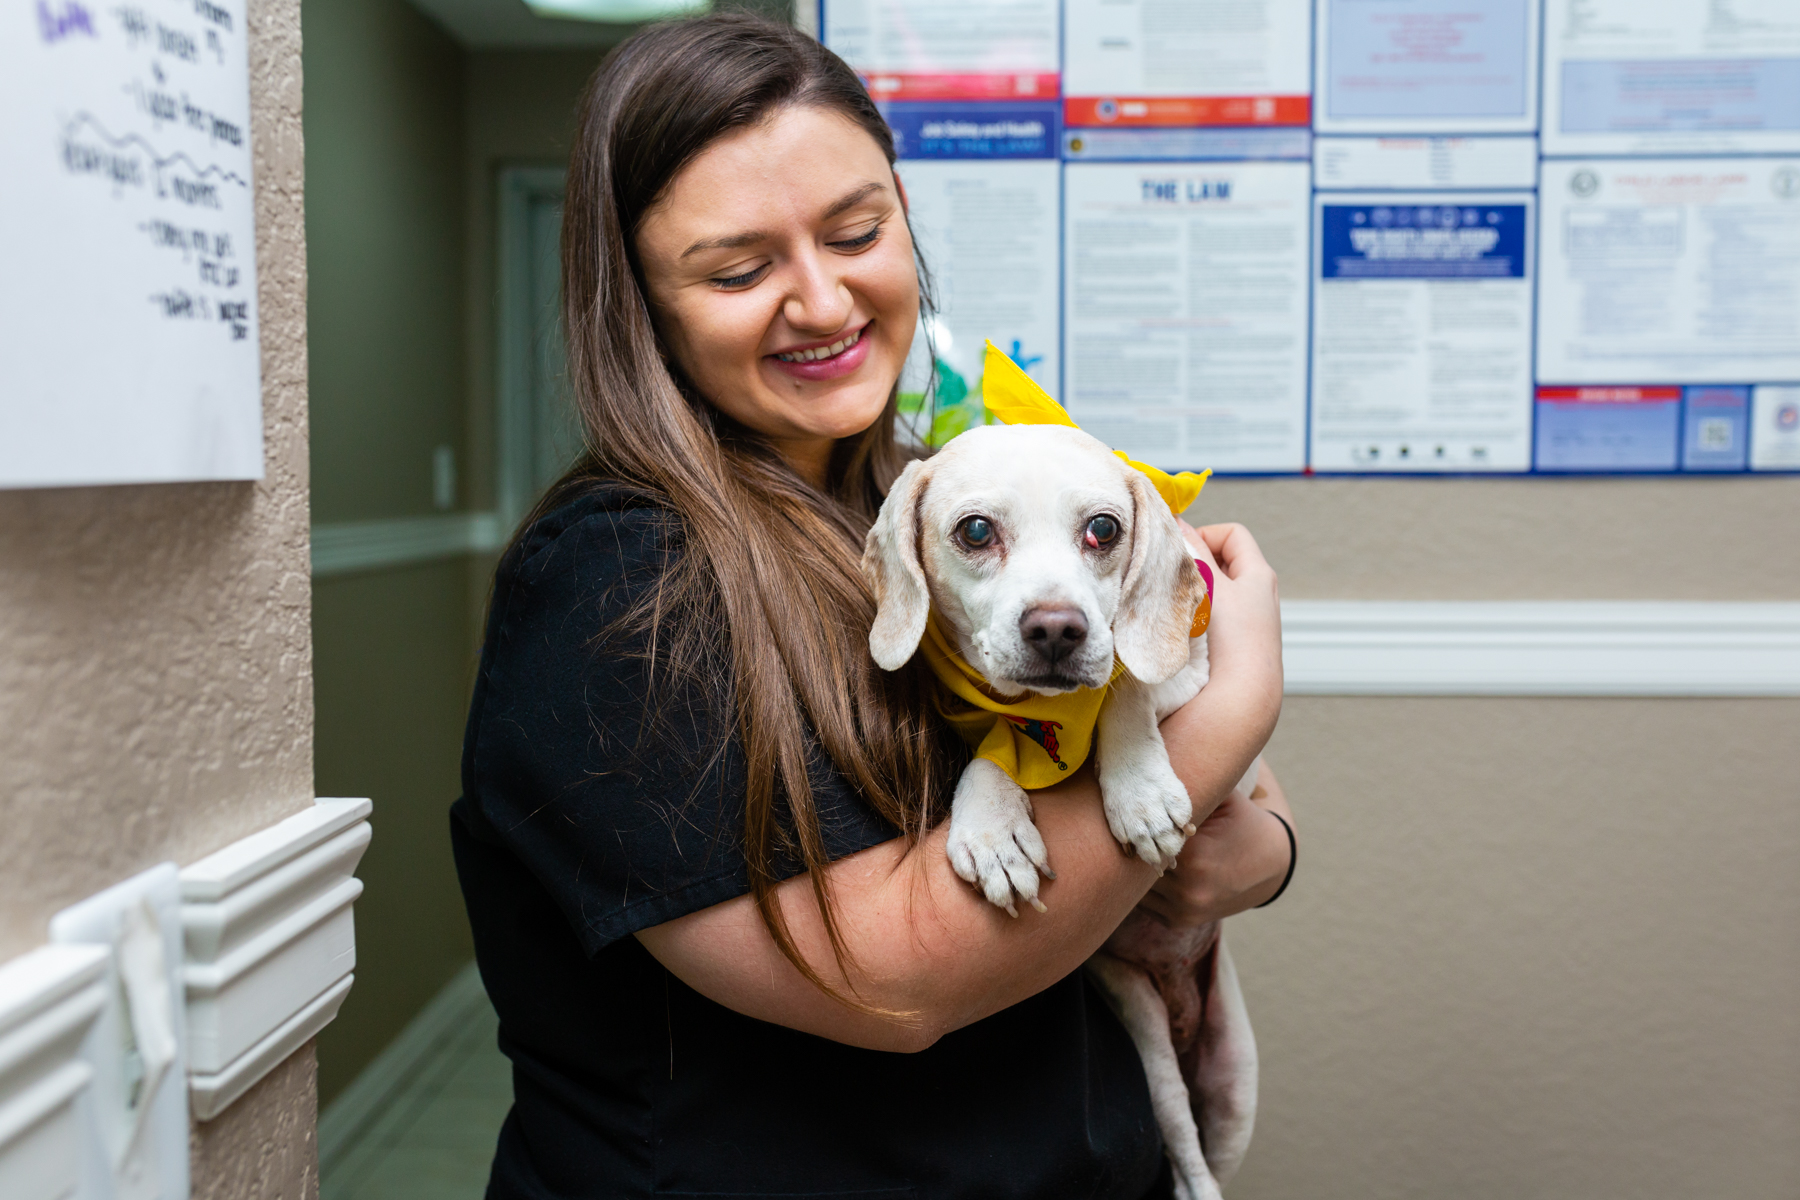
x=768 y=580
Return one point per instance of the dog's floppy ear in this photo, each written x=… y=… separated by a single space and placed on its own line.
x=891 y=563
x=1162 y=588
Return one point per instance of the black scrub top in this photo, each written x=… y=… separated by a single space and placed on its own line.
x=586 y=817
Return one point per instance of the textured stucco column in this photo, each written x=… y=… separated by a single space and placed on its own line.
x=155 y=656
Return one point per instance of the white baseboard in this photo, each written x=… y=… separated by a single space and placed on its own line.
x=351 y=1127
x=49 y=999
x=1540 y=648
x=345 y=547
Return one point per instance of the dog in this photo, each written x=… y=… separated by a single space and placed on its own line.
x=1050 y=588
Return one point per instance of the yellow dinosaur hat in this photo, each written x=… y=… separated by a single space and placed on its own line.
x=1016 y=399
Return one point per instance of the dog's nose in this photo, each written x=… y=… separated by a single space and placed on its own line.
x=1053 y=632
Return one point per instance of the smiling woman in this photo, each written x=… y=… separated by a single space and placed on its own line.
x=699 y=838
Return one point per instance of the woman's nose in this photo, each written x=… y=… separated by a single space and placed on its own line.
x=820 y=300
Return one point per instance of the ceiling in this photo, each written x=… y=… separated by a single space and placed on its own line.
x=508 y=24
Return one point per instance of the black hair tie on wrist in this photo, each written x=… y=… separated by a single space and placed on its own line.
x=1293 y=857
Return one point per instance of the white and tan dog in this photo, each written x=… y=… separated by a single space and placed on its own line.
x=1049 y=562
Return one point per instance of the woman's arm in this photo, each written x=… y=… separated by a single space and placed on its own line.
x=924 y=943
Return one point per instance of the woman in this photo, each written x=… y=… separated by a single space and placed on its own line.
x=699 y=840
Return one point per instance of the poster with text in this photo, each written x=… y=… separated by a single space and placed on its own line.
x=1422 y=333
x=1426 y=66
x=128 y=336
x=949 y=49
x=1671 y=76
x=987 y=230
x=1181 y=63
x=1185 y=311
x=1670 y=271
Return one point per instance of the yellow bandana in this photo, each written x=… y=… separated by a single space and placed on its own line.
x=1037 y=740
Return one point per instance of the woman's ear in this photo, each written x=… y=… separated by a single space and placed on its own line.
x=1162 y=588
x=891 y=563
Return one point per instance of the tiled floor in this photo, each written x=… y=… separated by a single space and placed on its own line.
x=429 y=1133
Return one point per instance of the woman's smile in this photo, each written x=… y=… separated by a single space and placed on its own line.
x=831 y=360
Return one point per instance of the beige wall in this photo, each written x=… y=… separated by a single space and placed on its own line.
x=1535 y=947
x=155 y=683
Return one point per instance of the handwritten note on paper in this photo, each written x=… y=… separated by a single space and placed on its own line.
x=128 y=332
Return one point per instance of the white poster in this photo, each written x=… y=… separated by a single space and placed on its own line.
x=1671 y=76
x=1413 y=163
x=1775 y=428
x=949 y=49
x=128 y=336
x=1185 y=311
x=987 y=230
x=1427 y=66
x=1422 y=333
x=1670 y=271
x=1181 y=63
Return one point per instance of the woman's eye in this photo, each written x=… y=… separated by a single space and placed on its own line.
x=737 y=281
x=976 y=532
x=1101 y=530
x=857 y=243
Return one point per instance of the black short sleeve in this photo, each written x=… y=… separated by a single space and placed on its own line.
x=624 y=801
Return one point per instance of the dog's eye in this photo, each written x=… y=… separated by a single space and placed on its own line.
x=976 y=532
x=1101 y=530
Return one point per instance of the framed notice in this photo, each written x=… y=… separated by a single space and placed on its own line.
x=128 y=329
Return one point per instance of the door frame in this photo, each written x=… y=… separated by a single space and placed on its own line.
x=515 y=434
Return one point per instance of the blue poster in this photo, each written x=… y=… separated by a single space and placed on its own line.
x=1437 y=241
x=931 y=130
x=1715 y=432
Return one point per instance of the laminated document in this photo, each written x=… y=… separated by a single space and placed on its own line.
x=1412 y=163
x=128 y=323
x=1422 y=332
x=1185 y=311
x=1775 y=428
x=949 y=49
x=1182 y=63
x=1671 y=76
x=1678 y=271
x=987 y=230
x=1426 y=66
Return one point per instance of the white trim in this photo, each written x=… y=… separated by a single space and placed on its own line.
x=211 y=1094
x=347 y=546
x=353 y=1127
x=48 y=1001
x=271 y=943
x=1541 y=648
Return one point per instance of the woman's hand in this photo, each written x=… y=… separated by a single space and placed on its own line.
x=1244 y=640
x=1235 y=861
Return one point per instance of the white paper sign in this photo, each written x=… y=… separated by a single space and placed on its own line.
x=128 y=332
x=1670 y=271
x=1671 y=76
x=1185 y=313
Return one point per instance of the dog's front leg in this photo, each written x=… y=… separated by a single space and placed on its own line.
x=1147 y=805
x=993 y=843
x=1140 y=1009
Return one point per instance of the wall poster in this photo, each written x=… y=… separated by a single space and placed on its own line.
x=1361 y=236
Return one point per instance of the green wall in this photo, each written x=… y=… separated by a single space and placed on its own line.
x=385 y=205
x=393 y=649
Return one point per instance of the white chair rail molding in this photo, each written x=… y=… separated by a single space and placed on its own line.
x=177 y=989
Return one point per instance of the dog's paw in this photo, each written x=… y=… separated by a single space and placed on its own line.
x=1148 y=809
x=993 y=843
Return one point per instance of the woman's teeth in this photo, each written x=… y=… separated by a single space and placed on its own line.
x=830 y=351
